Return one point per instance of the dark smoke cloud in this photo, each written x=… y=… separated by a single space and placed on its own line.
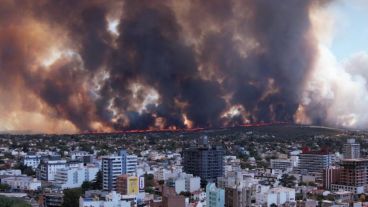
x=201 y=58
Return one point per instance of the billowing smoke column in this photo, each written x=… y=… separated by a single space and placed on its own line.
x=110 y=65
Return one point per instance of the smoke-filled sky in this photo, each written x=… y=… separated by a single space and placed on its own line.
x=102 y=65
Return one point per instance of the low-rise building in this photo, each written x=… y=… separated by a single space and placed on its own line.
x=48 y=168
x=22 y=182
x=185 y=183
x=279 y=196
x=10 y=172
x=32 y=161
x=127 y=185
x=170 y=198
x=165 y=174
x=54 y=199
x=113 y=199
x=78 y=155
x=74 y=177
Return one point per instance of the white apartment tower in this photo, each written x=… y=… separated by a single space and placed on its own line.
x=129 y=162
x=111 y=169
x=351 y=150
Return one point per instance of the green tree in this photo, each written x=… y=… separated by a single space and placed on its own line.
x=185 y=194
x=149 y=190
x=298 y=196
x=312 y=184
x=97 y=183
x=86 y=185
x=12 y=202
x=288 y=181
x=161 y=182
x=330 y=197
x=71 y=197
x=26 y=170
x=4 y=187
x=148 y=180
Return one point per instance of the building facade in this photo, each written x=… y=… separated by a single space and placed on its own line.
x=111 y=169
x=281 y=164
x=22 y=183
x=53 y=199
x=74 y=177
x=315 y=161
x=280 y=196
x=113 y=199
x=170 y=198
x=127 y=185
x=48 y=169
x=215 y=197
x=353 y=176
x=31 y=161
x=204 y=161
x=331 y=175
x=129 y=162
x=184 y=183
x=239 y=189
x=351 y=149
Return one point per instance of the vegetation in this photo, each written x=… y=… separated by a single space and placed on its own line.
x=148 y=180
x=12 y=202
x=150 y=190
x=161 y=182
x=299 y=196
x=4 y=187
x=186 y=194
x=288 y=181
x=86 y=185
x=97 y=183
x=71 y=197
x=26 y=170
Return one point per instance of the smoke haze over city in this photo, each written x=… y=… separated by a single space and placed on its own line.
x=100 y=65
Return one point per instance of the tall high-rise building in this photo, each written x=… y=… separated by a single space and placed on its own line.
x=351 y=150
x=353 y=176
x=215 y=197
x=315 y=161
x=129 y=162
x=204 y=161
x=111 y=169
x=331 y=175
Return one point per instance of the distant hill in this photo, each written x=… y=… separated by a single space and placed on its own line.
x=14 y=132
x=280 y=130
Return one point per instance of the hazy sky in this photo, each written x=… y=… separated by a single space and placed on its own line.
x=351 y=33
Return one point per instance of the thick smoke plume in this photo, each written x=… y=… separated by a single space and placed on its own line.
x=111 y=65
x=336 y=91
